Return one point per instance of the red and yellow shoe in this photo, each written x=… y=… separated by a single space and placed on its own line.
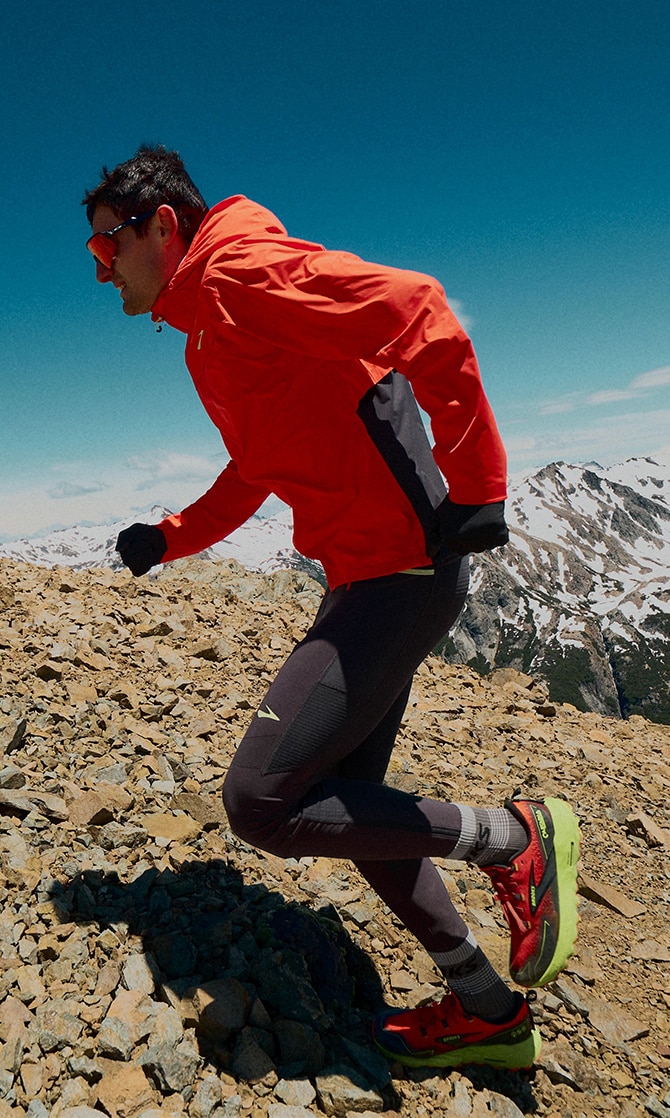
x=538 y=891
x=444 y=1035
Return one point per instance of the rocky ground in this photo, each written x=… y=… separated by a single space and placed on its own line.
x=152 y=964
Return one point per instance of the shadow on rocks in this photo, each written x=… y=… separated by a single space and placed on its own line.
x=268 y=985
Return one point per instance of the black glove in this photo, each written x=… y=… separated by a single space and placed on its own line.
x=141 y=546
x=469 y=528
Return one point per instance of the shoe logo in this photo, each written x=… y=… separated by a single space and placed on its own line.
x=481 y=842
x=541 y=824
x=269 y=713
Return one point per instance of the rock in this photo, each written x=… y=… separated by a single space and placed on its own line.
x=27 y=800
x=564 y=1064
x=140 y=972
x=172 y=1068
x=135 y=1011
x=295 y=1092
x=11 y=777
x=76 y=1112
x=218 y=1008
x=207 y=1097
x=571 y=995
x=108 y=979
x=89 y=808
x=300 y=1046
x=174 y=828
x=617 y=1026
x=115 y=1039
x=99 y=806
x=126 y=1092
x=206 y=810
x=113 y=835
x=48 y=669
x=12 y=735
x=279 y=1110
x=57 y=1028
x=341 y=1089
x=215 y=651
x=651 y=950
x=19 y=863
x=503 y=1106
x=653 y=835
x=612 y=898
x=32 y=1076
x=460 y=1103
x=175 y=954
x=166 y=1027
x=13 y=1013
x=251 y=1062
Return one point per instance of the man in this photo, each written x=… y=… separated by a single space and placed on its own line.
x=311 y=363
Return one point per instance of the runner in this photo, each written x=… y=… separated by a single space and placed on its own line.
x=313 y=365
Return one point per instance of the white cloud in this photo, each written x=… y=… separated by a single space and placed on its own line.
x=583 y=437
x=458 y=309
x=96 y=493
x=516 y=444
x=558 y=407
x=66 y=489
x=637 y=389
x=171 y=466
x=611 y=396
x=655 y=378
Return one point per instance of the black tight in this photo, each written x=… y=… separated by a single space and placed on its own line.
x=307 y=776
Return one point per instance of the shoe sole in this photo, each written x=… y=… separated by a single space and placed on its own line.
x=566 y=848
x=515 y=1057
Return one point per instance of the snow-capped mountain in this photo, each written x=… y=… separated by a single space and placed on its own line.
x=262 y=544
x=580 y=596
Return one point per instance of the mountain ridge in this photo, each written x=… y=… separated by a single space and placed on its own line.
x=580 y=597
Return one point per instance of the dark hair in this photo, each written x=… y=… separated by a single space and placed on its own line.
x=153 y=177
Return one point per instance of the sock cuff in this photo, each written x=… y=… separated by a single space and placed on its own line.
x=467 y=836
x=444 y=960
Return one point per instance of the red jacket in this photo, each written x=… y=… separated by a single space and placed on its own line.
x=287 y=345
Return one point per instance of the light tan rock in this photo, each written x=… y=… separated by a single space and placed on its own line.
x=610 y=897
x=174 y=828
x=126 y=1092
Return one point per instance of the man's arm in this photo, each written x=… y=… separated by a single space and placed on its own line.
x=223 y=508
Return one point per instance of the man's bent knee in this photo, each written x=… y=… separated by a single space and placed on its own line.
x=256 y=820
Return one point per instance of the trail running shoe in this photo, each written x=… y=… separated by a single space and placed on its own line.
x=538 y=891
x=444 y=1035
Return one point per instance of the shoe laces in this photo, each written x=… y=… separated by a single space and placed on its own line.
x=431 y=1017
x=505 y=885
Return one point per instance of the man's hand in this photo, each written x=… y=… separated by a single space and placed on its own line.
x=141 y=546
x=471 y=528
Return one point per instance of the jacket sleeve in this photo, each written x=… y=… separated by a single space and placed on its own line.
x=333 y=305
x=223 y=508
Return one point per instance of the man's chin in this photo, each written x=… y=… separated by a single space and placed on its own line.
x=133 y=309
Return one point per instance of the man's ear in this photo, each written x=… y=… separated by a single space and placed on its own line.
x=167 y=224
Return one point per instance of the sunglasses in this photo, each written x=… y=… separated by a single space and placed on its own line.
x=103 y=246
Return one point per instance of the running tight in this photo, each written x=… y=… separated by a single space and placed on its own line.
x=307 y=777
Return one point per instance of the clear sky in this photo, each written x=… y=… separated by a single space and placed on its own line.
x=518 y=151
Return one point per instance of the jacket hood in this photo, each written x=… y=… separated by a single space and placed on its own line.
x=233 y=220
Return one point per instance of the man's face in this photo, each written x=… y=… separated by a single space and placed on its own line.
x=142 y=265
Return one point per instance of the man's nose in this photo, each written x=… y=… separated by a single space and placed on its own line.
x=103 y=274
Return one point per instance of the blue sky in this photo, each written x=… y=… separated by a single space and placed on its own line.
x=518 y=151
